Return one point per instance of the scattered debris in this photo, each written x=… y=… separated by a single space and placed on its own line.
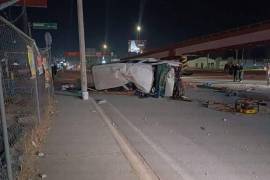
x=91 y=89
x=218 y=106
x=208 y=83
x=250 y=89
x=262 y=103
x=222 y=107
x=205 y=104
x=230 y=92
x=210 y=86
x=202 y=128
x=247 y=106
x=101 y=101
x=66 y=87
x=34 y=144
x=113 y=124
x=42 y=176
x=40 y=154
x=184 y=98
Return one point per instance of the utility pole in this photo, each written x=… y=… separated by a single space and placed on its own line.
x=85 y=95
x=25 y=21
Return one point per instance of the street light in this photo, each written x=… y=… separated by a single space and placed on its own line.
x=139 y=28
x=105 y=46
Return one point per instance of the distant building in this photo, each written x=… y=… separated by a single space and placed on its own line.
x=203 y=63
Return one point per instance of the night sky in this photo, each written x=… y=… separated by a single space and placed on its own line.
x=164 y=22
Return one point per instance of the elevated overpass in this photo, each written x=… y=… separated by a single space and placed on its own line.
x=231 y=39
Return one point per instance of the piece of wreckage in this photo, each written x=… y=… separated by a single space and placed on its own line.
x=149 y=76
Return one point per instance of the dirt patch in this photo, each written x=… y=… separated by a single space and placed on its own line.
x=32 y=143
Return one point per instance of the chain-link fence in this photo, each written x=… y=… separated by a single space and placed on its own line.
x=26 y=87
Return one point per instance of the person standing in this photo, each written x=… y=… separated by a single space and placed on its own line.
x=241 y=72
x=234 y=71
x=178 y=91
x=227 y=68
x=268 y=73
x=54 y=70
x=237 y=72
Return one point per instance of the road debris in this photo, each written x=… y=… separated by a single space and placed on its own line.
x=185 y=98
x=40 y=154
x=202 y=128
x=66 y=87
x=247 y=106
x=34 y=144
x=225 y=120
x=101 y=101
x=218 y=106
x=42 y=176
x=230 y=92
x=250 y=89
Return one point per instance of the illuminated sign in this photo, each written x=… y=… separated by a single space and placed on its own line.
x=136 y=46
x=45 y=26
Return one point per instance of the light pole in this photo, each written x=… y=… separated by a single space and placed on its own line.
x=104 y=47
x=85 y=94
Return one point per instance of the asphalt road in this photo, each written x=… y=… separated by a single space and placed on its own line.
x=183 y=140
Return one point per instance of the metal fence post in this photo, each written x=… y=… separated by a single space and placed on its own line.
x=50 y=70
x=37 y=100
x=4 y=127
x=37 y=93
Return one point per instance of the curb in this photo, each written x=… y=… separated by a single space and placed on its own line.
x=138 y=163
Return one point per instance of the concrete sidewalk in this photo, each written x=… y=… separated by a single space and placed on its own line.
x=80 y=146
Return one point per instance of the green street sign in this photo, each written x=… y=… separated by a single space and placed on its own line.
x=45 y=26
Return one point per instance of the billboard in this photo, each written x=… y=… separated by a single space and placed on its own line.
x=30 y=3
x=72 y=54
x=136 y=46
